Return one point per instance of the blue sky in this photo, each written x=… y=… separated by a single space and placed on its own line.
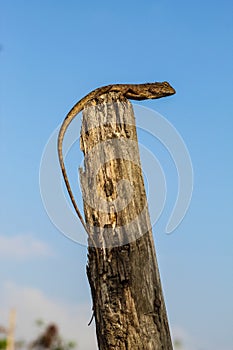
x=52 y=54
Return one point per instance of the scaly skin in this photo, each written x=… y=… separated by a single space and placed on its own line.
x=130 y=91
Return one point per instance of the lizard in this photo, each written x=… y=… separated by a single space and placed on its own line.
x=130 y=91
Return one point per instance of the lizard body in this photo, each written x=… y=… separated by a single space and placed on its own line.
x=130 y=91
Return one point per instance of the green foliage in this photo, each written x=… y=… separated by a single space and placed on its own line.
x=63 y=345
x=2 y=344
x=39 y=322
x=178 y=344
x=71 y=344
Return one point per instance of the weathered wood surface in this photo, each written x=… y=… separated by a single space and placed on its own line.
x=124 y=278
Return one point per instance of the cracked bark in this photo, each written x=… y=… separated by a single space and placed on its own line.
x=128 y=302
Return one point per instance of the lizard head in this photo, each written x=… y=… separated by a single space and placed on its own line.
x=149 y=91
x=158 y=90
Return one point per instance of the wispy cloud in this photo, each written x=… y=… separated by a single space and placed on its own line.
x=23 y=246
x=32 y=304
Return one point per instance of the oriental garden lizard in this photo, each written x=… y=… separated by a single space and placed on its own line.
x=130 y=91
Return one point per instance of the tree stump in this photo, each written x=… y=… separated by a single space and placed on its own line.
x=123 y=273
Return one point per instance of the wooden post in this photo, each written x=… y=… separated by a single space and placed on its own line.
x=11 y=331
x=123 y=272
